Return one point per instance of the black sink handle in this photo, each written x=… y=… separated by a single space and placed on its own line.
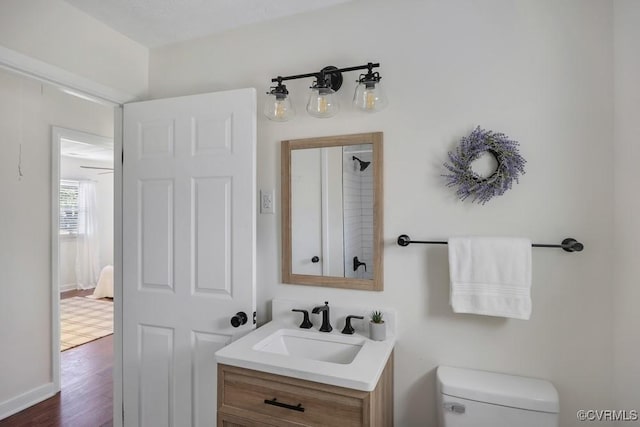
x=348 y=329
x=306 y=323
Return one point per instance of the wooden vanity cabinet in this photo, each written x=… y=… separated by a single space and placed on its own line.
x=248 y=398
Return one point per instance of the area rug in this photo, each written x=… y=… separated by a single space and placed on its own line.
x=83 y=320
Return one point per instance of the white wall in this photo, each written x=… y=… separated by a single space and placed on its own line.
x=59 y=34
x=27 y=112
x=540 y=71
x=627 y=206
x=70 y=169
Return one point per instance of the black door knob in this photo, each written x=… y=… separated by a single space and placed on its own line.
x=315 y=259
x=239 y=319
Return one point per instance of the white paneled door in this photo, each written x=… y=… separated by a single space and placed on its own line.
x=306 y=212
x=189 y=250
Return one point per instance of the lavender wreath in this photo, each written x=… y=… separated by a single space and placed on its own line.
x=469 y=183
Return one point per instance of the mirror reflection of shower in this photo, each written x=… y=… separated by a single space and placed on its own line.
x=363 y=165
x=357 y=187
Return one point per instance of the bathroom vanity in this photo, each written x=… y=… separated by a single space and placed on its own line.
x=284 y=375
x=252 y=398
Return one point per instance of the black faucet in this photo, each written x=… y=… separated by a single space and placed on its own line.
x=326 y=326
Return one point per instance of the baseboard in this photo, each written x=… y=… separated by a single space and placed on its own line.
x=68 y=287
x=25 y=400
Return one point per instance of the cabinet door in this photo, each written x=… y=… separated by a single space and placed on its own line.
x=285 y=401
x=252 y=398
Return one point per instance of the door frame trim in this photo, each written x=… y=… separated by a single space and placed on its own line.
x=118 y=402
x=63 y=79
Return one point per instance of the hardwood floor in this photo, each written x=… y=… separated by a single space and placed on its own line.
x=87 y=391
x=76 y=293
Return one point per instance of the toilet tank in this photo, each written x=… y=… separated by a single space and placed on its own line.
x=471 y=398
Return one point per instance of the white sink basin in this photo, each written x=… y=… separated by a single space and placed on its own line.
x=312 y=345
x=280 y=347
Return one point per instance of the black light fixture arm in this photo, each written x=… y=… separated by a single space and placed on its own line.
x=297 y=76
x=320 y=74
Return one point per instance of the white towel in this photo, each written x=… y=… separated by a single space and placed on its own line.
x=491 y=276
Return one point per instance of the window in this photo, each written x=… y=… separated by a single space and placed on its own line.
x=68 y=208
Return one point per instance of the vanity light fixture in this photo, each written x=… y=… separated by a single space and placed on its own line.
x=322 y=101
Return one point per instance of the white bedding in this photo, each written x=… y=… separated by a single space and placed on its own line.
x=104 y=288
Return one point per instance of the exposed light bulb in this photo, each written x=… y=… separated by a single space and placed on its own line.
x=370 y=103
x=322 y=105
x=322 y=102
x=280 y=110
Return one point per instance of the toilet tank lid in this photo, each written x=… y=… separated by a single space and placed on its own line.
x=500 y=389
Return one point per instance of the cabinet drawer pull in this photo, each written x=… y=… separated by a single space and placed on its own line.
x=275 y=402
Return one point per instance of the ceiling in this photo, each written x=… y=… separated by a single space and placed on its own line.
x=155 y=23
x=82 y=150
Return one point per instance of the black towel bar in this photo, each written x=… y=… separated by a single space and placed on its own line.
x=569 y=244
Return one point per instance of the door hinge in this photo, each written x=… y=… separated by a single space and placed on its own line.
x=122 y=156
x=455 y=407
x=254 y=317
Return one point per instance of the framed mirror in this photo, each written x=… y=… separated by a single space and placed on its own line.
x=332 y=211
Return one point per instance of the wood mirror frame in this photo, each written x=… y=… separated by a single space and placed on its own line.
x=375 y=284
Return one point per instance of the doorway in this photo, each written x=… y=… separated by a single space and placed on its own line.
x=85 y=196
x=82 y=177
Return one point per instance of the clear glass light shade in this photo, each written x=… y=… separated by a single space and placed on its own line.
x=369 y=97
x=322 y=103
x=278 y=108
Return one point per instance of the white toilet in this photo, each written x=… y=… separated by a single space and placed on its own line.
x=470 y=398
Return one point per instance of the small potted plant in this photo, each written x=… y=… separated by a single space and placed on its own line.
x=377 y=328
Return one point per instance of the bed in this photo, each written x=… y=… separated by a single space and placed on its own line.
x=104 y=288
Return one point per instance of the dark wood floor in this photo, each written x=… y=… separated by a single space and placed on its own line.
x=76 y=293
x=86 y=399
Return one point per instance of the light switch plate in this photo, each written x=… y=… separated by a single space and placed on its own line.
x=267 y=202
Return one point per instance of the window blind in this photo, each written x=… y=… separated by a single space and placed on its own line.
x=69 y=207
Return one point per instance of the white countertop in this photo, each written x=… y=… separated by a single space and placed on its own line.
x=362 y=373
